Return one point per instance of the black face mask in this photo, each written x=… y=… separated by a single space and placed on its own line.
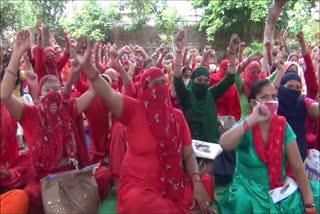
x=200 y=90
x=286 y=95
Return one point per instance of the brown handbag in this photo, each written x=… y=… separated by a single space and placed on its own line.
x=69 y=192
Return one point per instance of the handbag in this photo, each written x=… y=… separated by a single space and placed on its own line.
x=223 y=168
x=73 y=191
x=225 y=123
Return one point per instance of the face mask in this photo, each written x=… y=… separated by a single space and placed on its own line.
x=212 y=67
x=156 y=93
x=51 y=103
x=186 y=82
x=200 y=90
x=288 y=95
x=51 y=61
x=272 y=106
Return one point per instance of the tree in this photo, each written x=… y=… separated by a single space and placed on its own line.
x=140 y=12
x=7 y=16
x=167 y=21
x=91 y=20
x=231 y=16
x=246 y=16
x=301 y=14
x=16 y=15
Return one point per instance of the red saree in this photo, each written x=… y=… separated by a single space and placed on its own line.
x=17 y=165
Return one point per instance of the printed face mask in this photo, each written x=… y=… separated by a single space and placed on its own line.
x=272 y=106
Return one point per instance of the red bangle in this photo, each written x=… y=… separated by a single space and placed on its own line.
x=245 y=125
x=314 y=211
x=94 y=78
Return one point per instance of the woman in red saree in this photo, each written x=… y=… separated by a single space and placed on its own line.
x=46 y=59
x=14 y=167
x=152 y=178
x=49 y=127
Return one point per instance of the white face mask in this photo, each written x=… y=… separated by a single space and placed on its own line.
x=186 y=82
x=212 y=67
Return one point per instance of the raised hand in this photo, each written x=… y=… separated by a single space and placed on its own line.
x=207 y=50
x=300 y=38
x=51 y=32
x=66 y=36
x=234 y=44
x=124 y=50
x=22 y=42
x=132 y=65
x=83 y=51
x=279 y=61
x=75 y=70
x=255 y=56
x=180 y=40
x=40 y=26
x=242 y=46
x=135 y=48
x=32 y=79
x=73 y=43
x=259 y=114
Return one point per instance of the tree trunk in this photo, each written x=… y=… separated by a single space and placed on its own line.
x=271 y=20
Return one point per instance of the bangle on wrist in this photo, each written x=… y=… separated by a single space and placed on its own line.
x=178 y=51
x=94 y=78
x=232 y=53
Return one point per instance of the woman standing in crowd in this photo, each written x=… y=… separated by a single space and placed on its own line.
x=152 y=178
x=49 y=127
x=264 y=144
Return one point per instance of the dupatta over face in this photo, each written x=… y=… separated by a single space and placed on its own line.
x=249 y=77
x=201 y=114
x=57 y=135
x=165 y=128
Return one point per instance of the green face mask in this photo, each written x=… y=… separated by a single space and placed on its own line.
x=200 y=90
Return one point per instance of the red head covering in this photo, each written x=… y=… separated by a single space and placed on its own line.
x=164 y=126
x=45 y=79
x=48 y=49
x=156 y=100
x=58 y=135
x=249 y=78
